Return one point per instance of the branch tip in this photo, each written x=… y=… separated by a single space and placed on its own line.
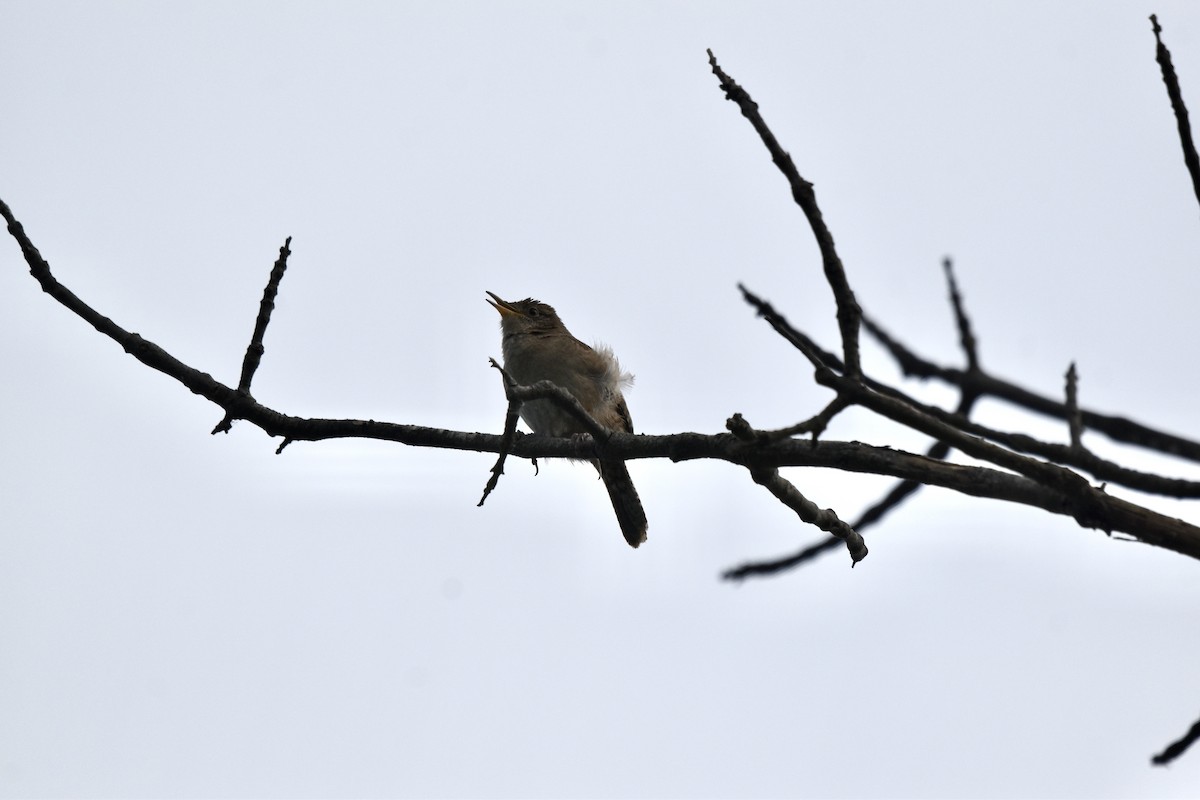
x=1178 y=747
x=1171 y=80
x=966 y=336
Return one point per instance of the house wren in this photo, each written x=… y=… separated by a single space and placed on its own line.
x=537 y=346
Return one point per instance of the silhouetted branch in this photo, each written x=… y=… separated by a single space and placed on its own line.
x=542 y=390
x=824 y=518
x=1074 y=418
x=901 y=491
x=1028 y=471
x=1088 y=505
x=254 y=352
x=978 y=383
x=1119 y=429
x=1163 y=56
x=966 y=336
x=801 y=341
x=815 y=424
x=1177 y=748
x=786 y=492
x=1059 y=497
x=510 y=430
x=848 y=311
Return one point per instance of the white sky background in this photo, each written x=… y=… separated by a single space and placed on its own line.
x=190 y=615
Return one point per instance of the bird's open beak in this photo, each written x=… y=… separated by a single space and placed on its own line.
x=503 y=307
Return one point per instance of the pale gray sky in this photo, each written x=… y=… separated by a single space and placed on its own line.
x=189 y=615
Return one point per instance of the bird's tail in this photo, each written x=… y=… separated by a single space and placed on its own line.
x=626 y=503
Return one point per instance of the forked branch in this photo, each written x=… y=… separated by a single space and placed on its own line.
x=1024 y=471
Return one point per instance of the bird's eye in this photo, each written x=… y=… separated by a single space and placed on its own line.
x=534 y=311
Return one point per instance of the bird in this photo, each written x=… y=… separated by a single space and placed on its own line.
x=537 y=346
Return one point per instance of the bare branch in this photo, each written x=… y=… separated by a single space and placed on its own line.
x=542 y=390
x=872 y=516
x=1119 y=429
x=1112 y=514
x=1069 y=456
x=1074 y=418
x=1179 y=747
x=977 y=383
x=1046 y=486
x=547 y=390
x=254 y=352
x=848 y=311
x=510 y=431
x=902 y=490
x=816 y=424
x=1163 y=56
x=145 y=351
x=825 y=519
x=817 y=356
x=966 y=336
x=1045 y=482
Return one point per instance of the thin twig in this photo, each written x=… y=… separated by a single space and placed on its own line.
x=1177 y=748
x=542 y=390
x=966 y=336
x=547 y=390
x=825 y=519
x=872 y=516
x=510 y=431
x=848 y=311
x=266 y=306
x=1119 y=429
x=815 y=425
x=1074 y=418
x=801 y=341
x=1190 y=157
x=254 y=352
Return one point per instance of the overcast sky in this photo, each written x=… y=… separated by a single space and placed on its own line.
x=191 y=615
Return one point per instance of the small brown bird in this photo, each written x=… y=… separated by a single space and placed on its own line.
x=537 y=346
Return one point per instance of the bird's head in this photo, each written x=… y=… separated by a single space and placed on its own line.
x=526 y=316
